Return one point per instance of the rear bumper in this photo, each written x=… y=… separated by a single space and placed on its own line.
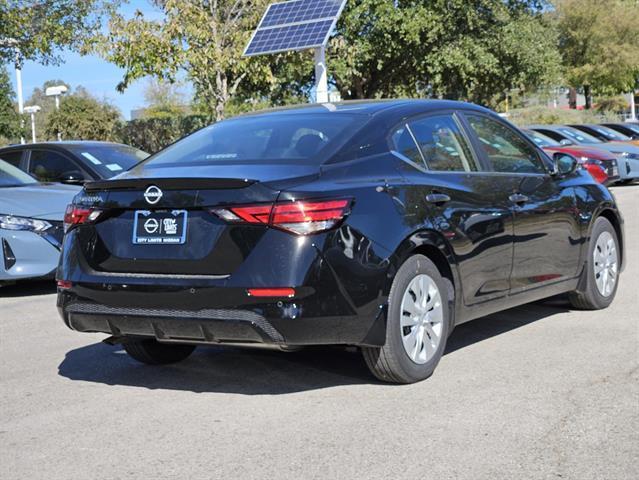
x=278 y=323
x=339 y=296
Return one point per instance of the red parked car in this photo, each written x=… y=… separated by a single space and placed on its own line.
x=602 y=165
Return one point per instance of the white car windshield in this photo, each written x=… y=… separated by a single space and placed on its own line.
x=11 y=176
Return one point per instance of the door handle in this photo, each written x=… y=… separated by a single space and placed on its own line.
x=518 y=198
x=437 y=198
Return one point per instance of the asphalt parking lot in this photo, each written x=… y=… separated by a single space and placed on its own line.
x=537 y=392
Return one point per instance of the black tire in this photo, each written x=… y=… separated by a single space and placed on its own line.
x=152 y=352
x=589 y=297
x=391 y=363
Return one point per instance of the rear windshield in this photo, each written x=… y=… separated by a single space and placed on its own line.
x=109 y=160
x=295 y=139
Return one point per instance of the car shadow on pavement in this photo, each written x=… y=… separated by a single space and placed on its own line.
x=253 y=371
x=28 y=288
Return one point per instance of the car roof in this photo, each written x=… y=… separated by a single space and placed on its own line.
x=367 y=107
x=547 y=127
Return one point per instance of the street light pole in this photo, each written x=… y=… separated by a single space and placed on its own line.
x=32 y=110
x=55 y=92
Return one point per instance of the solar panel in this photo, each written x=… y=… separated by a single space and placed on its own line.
x=295 y=25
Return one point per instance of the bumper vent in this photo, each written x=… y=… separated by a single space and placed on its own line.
x=7 y=253
x=152 y=319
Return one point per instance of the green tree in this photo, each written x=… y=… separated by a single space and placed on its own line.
x=40 y=28
x=599 y=44
x=83 y=117
x=473 y=50
x=9 y=118
x=204 y=39
x=164 y=99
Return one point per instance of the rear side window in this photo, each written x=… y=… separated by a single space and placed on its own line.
x=48 y=166
x=507 y=150
x=404 y=143
x=436 y=141
x=278 y=138
x=12 y=158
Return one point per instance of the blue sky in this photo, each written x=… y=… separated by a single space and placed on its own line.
x=92 y=72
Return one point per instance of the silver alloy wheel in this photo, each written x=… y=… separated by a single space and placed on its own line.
x=422 y=317
x=605 y=263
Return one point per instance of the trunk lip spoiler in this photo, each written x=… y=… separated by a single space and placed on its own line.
x=182 y=183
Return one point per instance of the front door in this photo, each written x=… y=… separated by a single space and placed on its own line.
x=547 y=240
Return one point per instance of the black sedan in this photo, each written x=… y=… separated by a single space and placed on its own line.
x=73 y=162
x=375 y=224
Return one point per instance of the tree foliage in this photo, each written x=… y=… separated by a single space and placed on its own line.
x=42 y=27
x=153 y=134
x=164 y=99
x=599 y=44
x=205 y=39
x=83 y=117
x=464 y=49
x=9 y=118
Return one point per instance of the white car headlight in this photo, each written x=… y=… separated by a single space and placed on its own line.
x=9 y=222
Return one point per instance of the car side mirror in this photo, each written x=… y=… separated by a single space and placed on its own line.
x=566 y=142
x=72 y=178
x=564 y=163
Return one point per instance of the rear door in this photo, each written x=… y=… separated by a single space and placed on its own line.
x=450 y=193
x=547 y=229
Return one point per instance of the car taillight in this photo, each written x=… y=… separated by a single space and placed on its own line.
x=77 y=215
x=302 y=217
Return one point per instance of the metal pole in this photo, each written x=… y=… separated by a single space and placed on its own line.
x=33 y=134
x=57 y=107
x=633 y=106
x=18 y=65
x=321 y=79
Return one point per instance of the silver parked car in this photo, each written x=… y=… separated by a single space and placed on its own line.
x=31 y=228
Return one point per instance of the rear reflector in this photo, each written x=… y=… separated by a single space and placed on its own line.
x=301 y=218
x=271 y=292
x=64 y=284
x=76 y=215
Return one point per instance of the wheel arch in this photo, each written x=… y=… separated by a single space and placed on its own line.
x=614 y=218
x=433 y=246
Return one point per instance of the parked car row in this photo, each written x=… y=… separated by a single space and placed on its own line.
x=610 y=152
x=37 y=182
